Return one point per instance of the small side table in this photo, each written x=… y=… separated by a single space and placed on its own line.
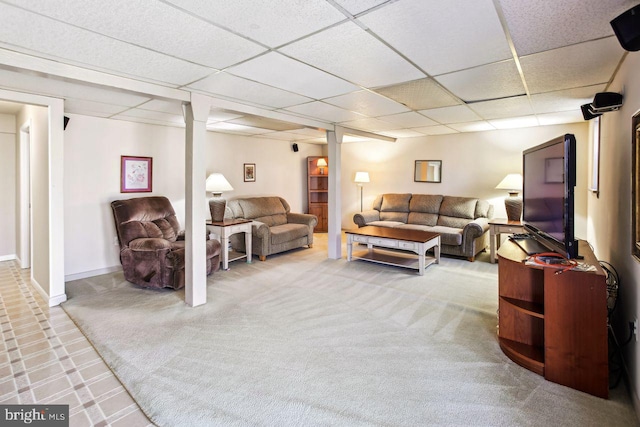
x=498 y=226
x=225 y=229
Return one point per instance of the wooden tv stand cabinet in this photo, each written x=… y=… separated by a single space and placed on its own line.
x=555 y=324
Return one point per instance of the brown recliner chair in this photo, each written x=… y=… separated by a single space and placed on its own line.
x=152 y=245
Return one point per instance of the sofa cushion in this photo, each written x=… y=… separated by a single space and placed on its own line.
x=448 y=235
x=268 y=210
x=425 y=203
x=287 y=232
x=394 y=216
x=460 y=207
x=422 y=218
x=395 y=202
x=390 y=224
x=482 y=209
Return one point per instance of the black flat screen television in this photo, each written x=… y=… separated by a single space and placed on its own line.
x=549 y=172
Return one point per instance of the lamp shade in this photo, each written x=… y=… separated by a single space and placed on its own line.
x=217 y=183
x=512 y=183
x=322 y=163
x=361 y=177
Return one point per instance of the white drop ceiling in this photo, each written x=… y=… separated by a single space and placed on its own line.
x=399 y=68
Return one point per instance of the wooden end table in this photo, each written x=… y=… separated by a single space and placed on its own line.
x=225 y=229
x=498 y=226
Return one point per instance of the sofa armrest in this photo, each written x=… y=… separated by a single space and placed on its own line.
x=300 y=218
x=475 y=228
x=260 y=229
x=149 y=244
x=363 y=218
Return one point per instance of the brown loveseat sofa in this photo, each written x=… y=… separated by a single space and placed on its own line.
x=463 y=222
x=152 y=245
x=275 y=228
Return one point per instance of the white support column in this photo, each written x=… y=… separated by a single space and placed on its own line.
x=334 y=140
x=196 y=114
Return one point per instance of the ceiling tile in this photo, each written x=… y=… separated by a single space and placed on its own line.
x=472 y=126
x=497 y=80
x=435 y=130
x=501 y=108
x=91 y=108
x=401 y=133
x=53 y=39
x=222 y=115
x=310 y=132
x=514 y=122
x=284 y=136
x=455 y=114
x=351 y=53
x=578 y=65
x=273 y=22
x=419 y=94
x=147 y=121
x=153 y=115
x=355 y=7
x=442 y=35
x=279 y=71
x=325 y=111
x=566 y=22
x=246 y=90
x=171 y=107
x=371 y=125
x=367 y=103
x=564 y=100
x=560 y=118
x=410 y=120
x=153 y=25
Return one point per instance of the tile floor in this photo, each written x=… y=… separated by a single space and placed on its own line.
x=45 y=359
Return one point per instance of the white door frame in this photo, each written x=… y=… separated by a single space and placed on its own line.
x=24 y=196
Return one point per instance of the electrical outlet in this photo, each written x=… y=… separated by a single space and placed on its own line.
x=635 y=328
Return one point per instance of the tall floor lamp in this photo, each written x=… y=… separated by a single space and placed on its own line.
x=513 y=204
x=360 y=179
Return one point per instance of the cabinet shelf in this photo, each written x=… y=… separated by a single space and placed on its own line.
x=525 y=355
x=318 y=192
x=530 y=308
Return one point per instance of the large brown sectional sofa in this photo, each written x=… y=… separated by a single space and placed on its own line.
x=463 y=222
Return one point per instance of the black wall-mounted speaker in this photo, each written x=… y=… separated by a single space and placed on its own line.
x=627 y=29
x=587 y=113
x=294 y=147
x=66 y=122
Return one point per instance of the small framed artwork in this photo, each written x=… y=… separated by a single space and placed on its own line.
x=249 y=172
x=135 y=174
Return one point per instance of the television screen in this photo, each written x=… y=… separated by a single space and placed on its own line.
x=549 y=172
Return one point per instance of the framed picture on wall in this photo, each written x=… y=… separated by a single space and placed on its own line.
x=135 y=174
x=249 y=172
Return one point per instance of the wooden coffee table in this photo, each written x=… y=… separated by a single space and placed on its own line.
x=400 y=239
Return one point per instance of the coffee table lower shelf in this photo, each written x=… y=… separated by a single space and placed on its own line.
x=396 y=259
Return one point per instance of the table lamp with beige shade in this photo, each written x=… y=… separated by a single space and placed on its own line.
x=217 y=184
x=513 y=204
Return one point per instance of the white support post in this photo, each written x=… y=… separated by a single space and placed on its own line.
x=334 y=141
x=196 y=114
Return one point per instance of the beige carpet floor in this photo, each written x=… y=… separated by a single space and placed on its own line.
x=301 y=340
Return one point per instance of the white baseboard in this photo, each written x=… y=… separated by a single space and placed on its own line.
x=91 y=273
x=8 y=257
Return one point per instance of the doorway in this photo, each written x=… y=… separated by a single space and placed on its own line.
x=24 y=197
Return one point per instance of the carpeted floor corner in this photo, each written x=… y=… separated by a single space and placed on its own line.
x=303 y=340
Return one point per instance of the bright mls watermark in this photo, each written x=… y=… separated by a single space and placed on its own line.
x=34 y=415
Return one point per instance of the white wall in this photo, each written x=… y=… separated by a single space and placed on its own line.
x=472 y=165
x=610 y=213
x=93 y=147
x=8 y=248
